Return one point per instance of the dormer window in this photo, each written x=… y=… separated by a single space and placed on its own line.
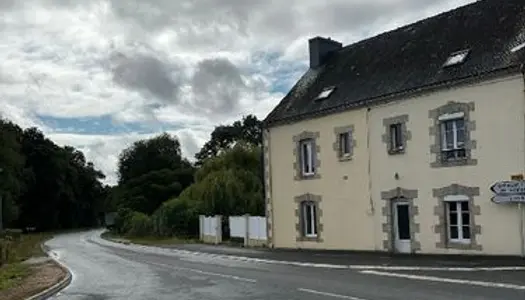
x=456 y=58
x=325 y=93
x=518 y=48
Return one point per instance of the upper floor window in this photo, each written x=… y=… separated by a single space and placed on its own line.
x=453 y=136
x=396 y=137
x=307 y=148
x=345 y=144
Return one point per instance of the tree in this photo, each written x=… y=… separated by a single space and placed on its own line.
x=44 y=185
x=223 y=137
x=151 y=172
x=229 y=184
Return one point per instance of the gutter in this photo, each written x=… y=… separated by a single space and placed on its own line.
x=520 y=205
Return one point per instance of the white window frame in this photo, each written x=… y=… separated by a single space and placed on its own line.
x=308 y=162
x=348 y=151
x=454 y=118
x=457 y=200
x=394 y=136
x=309 y=207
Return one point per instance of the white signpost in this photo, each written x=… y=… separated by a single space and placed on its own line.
x=512 y=191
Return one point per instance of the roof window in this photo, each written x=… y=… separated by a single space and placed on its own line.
x=325 y=93
x=518 y=47
x=456 y=58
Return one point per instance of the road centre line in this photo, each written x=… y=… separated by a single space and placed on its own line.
x=447 y=280
x=204 y=272
x=329 y=294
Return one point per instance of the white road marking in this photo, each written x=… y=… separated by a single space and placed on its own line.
x=448 y=280
x=204 y=272
x=182 y=252
x=328 y=294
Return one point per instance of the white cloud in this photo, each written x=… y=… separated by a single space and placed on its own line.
x=165 y=64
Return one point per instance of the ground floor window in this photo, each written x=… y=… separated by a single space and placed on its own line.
x=309 y=218
x=458 y=215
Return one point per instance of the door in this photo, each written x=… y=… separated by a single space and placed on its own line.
x=402 y=227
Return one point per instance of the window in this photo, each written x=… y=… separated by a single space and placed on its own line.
x=307 y=148
x=345 y=144
x=453 y=138
x=458 y=213
x=396 y=137
x=325 y=93
x=309 y=219
x=456 y=58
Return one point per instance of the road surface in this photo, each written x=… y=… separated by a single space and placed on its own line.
x=103 y=270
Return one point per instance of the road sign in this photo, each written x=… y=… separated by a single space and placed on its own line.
x=509 y=199
x=511 y=187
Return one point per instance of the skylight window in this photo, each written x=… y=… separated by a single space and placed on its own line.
x=518 y=47
x=456 y=58
x=325 y=93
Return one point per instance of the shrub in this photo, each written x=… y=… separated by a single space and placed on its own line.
x=176 y=217
x=140 y=225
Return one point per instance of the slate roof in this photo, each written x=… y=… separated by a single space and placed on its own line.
x=410 y=59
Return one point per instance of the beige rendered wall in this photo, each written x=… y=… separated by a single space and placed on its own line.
x=346 y=218
x=497 y=108
x=353 y=213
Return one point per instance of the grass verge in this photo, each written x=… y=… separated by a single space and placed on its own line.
x=13 y=271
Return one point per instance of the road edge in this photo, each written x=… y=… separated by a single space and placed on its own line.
x=53 y=290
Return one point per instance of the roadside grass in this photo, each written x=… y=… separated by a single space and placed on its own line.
x=150 y=240
x=27 y=246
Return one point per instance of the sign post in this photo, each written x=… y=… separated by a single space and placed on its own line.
x=512 y=191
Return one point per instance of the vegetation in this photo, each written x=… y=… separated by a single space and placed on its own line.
x=160 y=194
x=44 y=186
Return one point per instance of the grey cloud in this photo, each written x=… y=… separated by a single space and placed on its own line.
x=146 y=74
x=217 y=85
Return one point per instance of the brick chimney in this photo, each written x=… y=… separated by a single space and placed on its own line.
x=320 y=50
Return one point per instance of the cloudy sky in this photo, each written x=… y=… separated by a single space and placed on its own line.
x=99 y=75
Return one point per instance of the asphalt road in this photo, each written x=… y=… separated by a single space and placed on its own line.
x=104 y=270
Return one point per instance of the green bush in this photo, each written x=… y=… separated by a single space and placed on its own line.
x=140 y=225
x=176 y=217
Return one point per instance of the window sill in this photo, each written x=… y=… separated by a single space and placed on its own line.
x=345 y=158
x=396 y=151
x=460 y=245
x=316 y=239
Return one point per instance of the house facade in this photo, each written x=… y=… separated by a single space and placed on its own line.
x=392 y=143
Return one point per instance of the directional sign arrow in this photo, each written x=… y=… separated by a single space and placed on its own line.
x=508 y=199
x=511 y=187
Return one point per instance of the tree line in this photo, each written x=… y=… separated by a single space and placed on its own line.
x=44 y=186
x=161 y=193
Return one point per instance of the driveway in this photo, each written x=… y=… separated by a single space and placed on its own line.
x=104 y=270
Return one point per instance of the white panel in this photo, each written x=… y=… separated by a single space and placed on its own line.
x=258 y=228
x=237 y=226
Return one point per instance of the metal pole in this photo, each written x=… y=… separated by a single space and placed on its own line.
x=1 y=214
x=522 y=230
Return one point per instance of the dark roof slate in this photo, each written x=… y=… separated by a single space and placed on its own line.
x=410 y=58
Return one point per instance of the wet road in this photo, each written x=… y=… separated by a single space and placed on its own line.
x=104 y=270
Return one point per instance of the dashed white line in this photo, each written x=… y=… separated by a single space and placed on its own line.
x=205 y=272
x=447 y=280
x=329 y=294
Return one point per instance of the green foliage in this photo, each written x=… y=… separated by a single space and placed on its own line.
x=140 y=225
x=150 y=172
x=223 y=137
x=155 y=180
x=46 y=186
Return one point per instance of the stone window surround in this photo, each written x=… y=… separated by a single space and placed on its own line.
x=406 y=134
x=297 y=165
x=441 y=213
x=391 y=197
x=316 y=199
x=336 y=145
x=435 y=133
